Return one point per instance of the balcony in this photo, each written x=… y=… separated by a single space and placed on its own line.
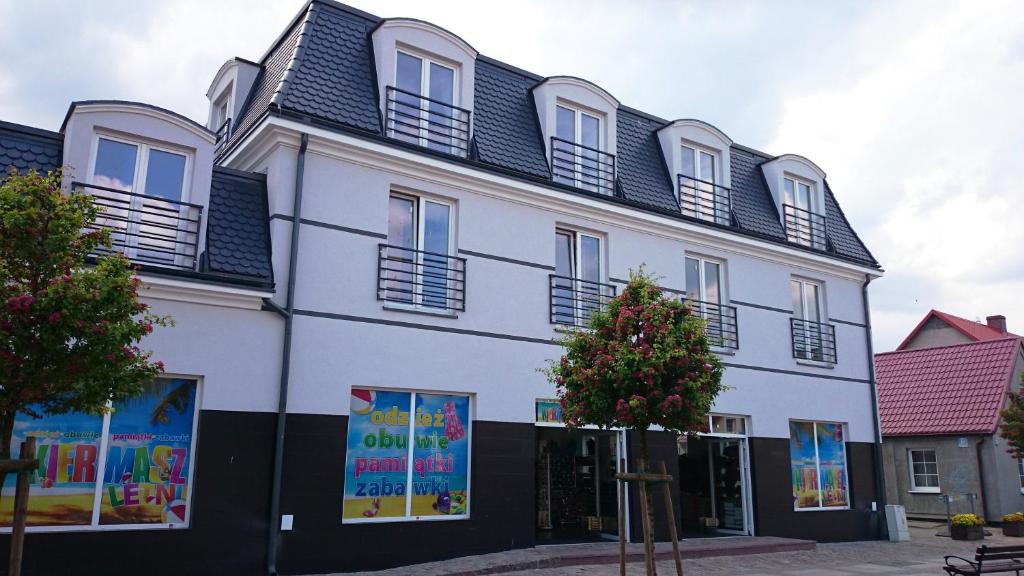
x=705 y=200
x=147 y=229
x=813 y=341
x=583 y=167
x=574 y=300
x=427 y=122
x=223 y=133
x=720 y=320
x=420 y=279
x=804 y=227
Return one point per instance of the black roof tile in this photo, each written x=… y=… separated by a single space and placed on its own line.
x=640 y=165
x=237 y=233
x=27 y=148
x=323 y=69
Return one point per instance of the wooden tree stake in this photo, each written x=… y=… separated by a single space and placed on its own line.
x=672 y=522
x=28 y=450
x=622 y=520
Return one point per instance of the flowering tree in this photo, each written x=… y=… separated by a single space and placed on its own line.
x=69 y=332
x=1012 y=425
x=644 y=361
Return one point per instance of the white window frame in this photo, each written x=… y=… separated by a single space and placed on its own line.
x=817 y=463
x=578 y=112
x=101 y=465
x=424 y=92
x=468 y=426
x=715 y=181
x=1020 y=473
x=142 y=148
x=577 y=274
x=419 y=203
x=812 y=195
x=913 y=475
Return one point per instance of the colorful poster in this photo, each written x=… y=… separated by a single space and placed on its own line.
x=63 y=488
x=832 y=465
x=803 y=459
x=149 y=456
x=549 y=412
x=377 y=460
x=440 y=479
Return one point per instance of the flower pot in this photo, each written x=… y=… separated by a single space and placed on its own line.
x=967 y=532
x=1015 y=529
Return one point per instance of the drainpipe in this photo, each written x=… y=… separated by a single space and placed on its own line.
x=286 y=355
x=876 y=450
x=981 y=478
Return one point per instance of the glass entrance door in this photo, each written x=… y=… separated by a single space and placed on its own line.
x=726 y=458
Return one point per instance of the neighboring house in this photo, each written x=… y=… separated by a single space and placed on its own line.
x=366 y=386
x=940 y=394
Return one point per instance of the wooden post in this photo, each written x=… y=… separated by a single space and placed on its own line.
x=28 y=450
x=622 y=519
x=672 y=521
x=645 y=515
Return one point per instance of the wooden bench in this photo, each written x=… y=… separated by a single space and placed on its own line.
x=989 y=560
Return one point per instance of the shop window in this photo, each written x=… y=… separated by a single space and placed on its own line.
x=136 y=462
x=818 y=459
x=408 y=456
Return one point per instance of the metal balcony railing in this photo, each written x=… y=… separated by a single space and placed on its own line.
x=147 y=229
x=574 y=300
x=582 y=166
x=720 y=319
x=804 y=227
x=223 y=133
x=419 y=278
x=705 y=200
x=813 y=340
x=427 y=122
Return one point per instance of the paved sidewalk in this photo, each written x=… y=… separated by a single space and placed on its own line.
x=922 y=556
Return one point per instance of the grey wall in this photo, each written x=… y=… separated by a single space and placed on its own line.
x=958 y=474
x=935 y=332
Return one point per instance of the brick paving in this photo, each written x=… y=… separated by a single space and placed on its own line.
x=922 y=556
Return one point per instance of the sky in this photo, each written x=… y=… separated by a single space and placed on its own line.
x=912 y=108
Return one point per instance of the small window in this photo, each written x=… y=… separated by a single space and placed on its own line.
x=813 y=339
x=924 y=471
x=143 y=191
x=1020 y=473
x=817 y=453
x=705 y=291
x=801 y=216
x=700 y=196
x=422 y=107
x=576 y=155
x=416 y=265
x=221 y=113
x=576 y=287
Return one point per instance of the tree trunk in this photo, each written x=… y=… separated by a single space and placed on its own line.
x=647 y=506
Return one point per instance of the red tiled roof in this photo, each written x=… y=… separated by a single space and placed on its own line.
x=974 y=330
x=957 y=389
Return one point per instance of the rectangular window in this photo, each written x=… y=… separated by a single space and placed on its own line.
x=408 y=456
x=813 y=338
x=423 y=109
x=143 y=190
x=131 y=468
x=577 y=289
x=1020 y=473
x=705 y=291
x=924 y=471
x=577 y=158
x=699 y=195
x=801 y=218
x=818 y=461
x=417 y=267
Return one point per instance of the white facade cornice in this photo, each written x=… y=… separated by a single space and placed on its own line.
x=164 y=288
x=276 y=131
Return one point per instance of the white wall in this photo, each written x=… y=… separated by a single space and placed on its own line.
x=338 y=277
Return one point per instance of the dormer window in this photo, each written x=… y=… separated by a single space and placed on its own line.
x=803 y=222
x=143 y=191
x=576 y=156
x=698 y=154
x=425 y=78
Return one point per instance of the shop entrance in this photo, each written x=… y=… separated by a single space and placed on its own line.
x=577 y=494
x=714 y=485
